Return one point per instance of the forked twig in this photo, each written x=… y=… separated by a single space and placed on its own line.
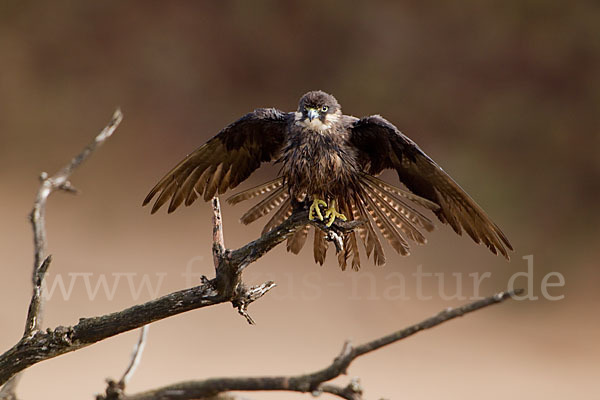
x=227 y=286
x=116 y=390
x=50 y=184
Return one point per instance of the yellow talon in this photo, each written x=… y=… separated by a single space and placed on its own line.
x=314 y=209
x=332 y=214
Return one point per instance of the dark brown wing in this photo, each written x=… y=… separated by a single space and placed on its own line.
x=382 y=146
x=225 y=160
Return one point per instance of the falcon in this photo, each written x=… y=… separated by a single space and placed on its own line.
x=329 y=164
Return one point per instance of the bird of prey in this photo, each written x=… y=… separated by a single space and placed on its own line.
x=329 y=164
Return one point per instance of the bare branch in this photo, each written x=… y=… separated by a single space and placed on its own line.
x=248 y=296
x=218 y=239
x=225 y=287
x=352 y=391
x=58 y=181
x=136 y=356
x=115 y=390
x=34 y=314
x=9 y=390
x=313 y=382
x=49 y=185
x=443 y=316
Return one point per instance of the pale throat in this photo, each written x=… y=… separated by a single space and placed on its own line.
x=316 y=124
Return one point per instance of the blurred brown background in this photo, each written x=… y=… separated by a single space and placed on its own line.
x=504 y=95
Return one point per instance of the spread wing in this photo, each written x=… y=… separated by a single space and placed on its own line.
x=381 y=145
x=224 y=161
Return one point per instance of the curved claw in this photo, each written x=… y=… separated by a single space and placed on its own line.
x=314 y=209
x=332 y=214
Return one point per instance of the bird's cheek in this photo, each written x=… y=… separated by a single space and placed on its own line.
x=331 y=119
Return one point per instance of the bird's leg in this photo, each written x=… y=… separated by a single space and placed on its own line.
x=314 y=209
x=332 y=214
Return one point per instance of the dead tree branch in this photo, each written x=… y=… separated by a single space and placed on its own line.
x=227 y=286
x=41 y=262
x=9 y=390
x=136 y=356
x=37 y=345
x=314 y=382
x=115 y=390
x=58 y=181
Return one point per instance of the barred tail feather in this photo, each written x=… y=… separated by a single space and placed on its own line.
x=402 y=193
x=344 y=254
x=370 y=238
x=407 y=211
x=388 y=230
x=375 y=202
x=400 y=220
x=350 y=243
x=320 y=246
x=265 y=206
x=295 y=243
x=256 y=191
x=281 y=215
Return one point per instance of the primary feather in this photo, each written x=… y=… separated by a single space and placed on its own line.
x=333 y=157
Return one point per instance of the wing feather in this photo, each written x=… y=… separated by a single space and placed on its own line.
x=225 y=160
x=380 y=145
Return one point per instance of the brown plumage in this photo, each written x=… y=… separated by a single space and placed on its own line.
x=333 y=157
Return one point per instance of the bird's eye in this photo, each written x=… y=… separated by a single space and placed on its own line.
x=324 y=108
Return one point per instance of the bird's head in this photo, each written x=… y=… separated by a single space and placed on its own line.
x=318 y=110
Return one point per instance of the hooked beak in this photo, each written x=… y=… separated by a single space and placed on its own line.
x=312 y=114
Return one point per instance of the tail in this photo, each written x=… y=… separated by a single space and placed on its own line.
x=375 y=202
